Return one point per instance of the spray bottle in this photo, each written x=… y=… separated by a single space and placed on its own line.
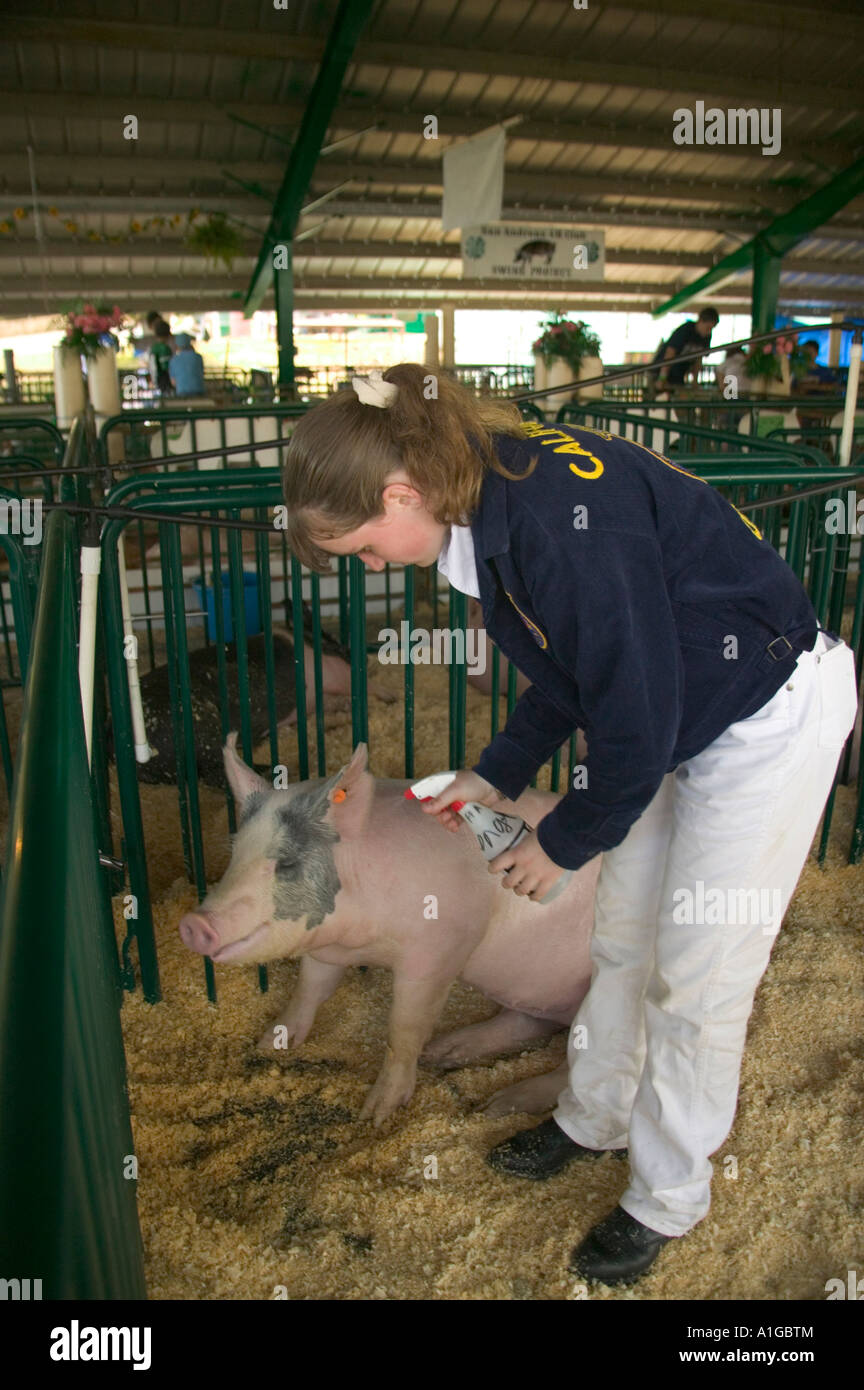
x=495 y=831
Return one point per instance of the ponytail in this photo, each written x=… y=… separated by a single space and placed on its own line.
x=342 y=451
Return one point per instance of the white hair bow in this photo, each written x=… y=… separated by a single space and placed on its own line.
x=374 y=390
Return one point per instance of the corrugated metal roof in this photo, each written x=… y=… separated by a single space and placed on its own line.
x=219 y=104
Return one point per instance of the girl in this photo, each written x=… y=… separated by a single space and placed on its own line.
x=648 y=612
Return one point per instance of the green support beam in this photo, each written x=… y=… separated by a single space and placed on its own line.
x=777 y=238
x=766 y=286
x=284 y=296
x=350 y=20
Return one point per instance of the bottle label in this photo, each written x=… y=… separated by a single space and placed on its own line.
x=494 y=830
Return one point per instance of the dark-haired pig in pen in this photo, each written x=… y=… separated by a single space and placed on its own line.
x=204 y=687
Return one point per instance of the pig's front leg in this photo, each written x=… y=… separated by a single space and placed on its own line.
x=317 y=982
x=416 y=1007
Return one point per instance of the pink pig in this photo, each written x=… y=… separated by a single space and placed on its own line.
x=365 y=878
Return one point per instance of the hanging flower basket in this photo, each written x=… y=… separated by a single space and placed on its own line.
x=216 y=240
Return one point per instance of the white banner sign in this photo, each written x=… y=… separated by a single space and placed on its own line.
x=474 y=180
x=512 y=251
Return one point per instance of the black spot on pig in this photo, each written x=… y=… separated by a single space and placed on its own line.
x=306 y=881
x=254 y=801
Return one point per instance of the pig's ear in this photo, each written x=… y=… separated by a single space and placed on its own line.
x=241 y=779
x=348 y=776
x=349 y=793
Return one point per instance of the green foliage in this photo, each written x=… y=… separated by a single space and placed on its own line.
x=762 y=363
x=216 y=240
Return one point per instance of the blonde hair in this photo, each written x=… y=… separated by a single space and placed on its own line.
x=342 y=451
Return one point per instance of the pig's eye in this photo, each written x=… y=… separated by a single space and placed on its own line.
x=288 y=866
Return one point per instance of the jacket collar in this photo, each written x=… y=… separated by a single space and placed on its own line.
x=490 y=524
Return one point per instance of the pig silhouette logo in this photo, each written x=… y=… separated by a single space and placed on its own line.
x=530 y=251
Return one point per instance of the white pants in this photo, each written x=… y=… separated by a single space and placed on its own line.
x=655 y=1050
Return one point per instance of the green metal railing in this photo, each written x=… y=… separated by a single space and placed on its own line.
x=676 y=436
x=68 y=1212
x=26 y=483
x=226 y=502
x=140 y=436
x=218 y=499
x=825 y=564
x=823 y=437
x=30 y=435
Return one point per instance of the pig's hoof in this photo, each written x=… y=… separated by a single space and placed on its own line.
x=386 y=1096
x=388 y=697
x=531 y=1097
x=445 y=1053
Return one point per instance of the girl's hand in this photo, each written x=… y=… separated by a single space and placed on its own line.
x=466 y=786
x=527 y=869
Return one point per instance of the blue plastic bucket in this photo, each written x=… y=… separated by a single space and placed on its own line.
x=251 y=605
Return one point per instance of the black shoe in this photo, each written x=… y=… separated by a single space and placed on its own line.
x=540 y=1152
x=617 y=1250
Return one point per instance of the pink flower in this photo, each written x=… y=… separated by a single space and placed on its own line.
x=558 y=328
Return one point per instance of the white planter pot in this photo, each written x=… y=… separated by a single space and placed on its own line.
x=557 y=375
x=783 y=387
x=591 y=366
x=103 y=385
x=539 y=377
x=70 y=393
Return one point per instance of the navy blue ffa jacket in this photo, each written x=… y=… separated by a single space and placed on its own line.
x=644 y=607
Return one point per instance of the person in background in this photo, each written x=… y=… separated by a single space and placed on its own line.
x=152 y=319
x=732 y=385
x=818 y=381
x=695 y=333
x=186 y=368
x=160 y=356
x=732 y=366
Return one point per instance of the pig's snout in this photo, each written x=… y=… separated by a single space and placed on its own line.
x=199 y=934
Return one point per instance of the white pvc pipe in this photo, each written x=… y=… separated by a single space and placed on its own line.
x=845 y=450
x=91 y=561
x=143 y=751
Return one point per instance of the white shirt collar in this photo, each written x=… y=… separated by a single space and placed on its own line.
x=456 y=560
